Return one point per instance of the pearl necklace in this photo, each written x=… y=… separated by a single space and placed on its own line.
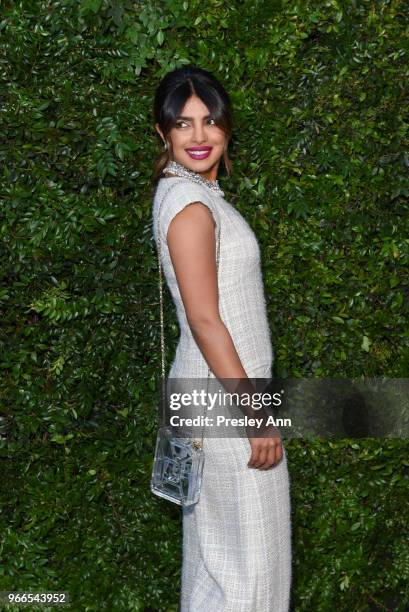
x=175 y=168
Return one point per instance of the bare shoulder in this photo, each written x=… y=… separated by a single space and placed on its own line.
x=195 y=217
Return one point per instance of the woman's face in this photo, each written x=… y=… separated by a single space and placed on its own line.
x=196 y=130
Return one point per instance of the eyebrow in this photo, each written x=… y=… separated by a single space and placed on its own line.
x=191 y=118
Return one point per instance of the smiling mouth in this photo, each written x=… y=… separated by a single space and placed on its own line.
x=199 y=153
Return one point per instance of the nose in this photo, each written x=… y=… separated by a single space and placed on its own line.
x=199 y=133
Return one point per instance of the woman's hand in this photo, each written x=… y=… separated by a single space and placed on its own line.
x=266 y=447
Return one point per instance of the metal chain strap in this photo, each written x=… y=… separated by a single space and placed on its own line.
x=162 y=332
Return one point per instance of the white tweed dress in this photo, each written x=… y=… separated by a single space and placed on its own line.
x=237 y=538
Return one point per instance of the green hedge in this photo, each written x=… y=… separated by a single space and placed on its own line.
x=320 y=169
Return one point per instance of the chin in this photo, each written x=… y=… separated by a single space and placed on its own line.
x=199 y=165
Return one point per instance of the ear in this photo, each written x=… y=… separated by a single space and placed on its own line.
x=157 y=128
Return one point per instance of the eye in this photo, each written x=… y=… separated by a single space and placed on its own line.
x=211 y=119
x=179 y=123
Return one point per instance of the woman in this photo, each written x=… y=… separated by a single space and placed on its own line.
x=237 y=538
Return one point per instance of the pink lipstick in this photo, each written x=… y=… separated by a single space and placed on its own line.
x=199 y=152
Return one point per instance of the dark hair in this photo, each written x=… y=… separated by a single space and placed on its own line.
x=171 y=96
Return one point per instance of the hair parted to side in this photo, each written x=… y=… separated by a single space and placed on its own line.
x=171 y=96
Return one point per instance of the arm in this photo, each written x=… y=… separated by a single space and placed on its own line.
x=192 y=242
x=192 y=245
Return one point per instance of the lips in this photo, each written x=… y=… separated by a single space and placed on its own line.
x=199 y=152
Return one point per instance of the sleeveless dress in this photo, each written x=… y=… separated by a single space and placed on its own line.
x=237 y=538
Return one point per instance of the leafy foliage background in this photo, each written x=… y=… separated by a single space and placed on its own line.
x=320 y=172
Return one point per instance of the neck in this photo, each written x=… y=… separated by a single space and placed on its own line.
x=208 y=175
x=173 y=167
x=211 y=174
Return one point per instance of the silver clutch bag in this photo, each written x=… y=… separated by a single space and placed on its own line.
x=178 y=462
x=177 y=468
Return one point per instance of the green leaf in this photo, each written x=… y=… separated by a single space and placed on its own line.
x=365 y=343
